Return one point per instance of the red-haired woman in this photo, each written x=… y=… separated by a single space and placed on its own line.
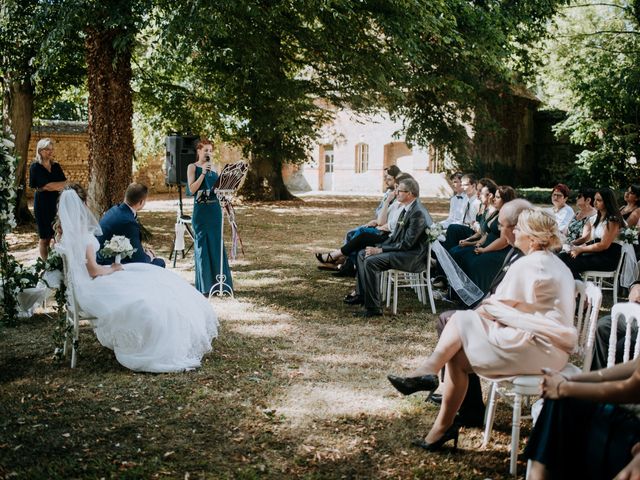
x=207 y=220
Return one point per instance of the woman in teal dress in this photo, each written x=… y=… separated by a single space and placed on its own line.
x=207 y=222
x=483 y=262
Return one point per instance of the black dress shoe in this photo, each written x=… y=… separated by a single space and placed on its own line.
x=368 y=313
x=451 y=434
x=354 y=300
x=435 y=398
x=409 y=385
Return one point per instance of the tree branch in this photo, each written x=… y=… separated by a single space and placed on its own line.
x=599 y=4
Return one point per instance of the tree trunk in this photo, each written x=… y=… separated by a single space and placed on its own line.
x=21 y=118
x=264 y=181
x=110 y=114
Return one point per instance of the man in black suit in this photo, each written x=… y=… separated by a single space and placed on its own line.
x=471 y=413
x=405 y=250
x=121 y=220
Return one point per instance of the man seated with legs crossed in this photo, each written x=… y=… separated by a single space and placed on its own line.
x=405 y=250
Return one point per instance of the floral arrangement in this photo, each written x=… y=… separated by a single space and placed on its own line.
x=629 y=235
x=435 y=233
x=10 y=285
x=117 y=246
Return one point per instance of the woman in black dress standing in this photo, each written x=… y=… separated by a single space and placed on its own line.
x=48 y=179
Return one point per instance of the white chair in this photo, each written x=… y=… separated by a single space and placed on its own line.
x=525 y=386
x=606 y=280
x=74 y=313
x=416 y=280
x=183 y=224
x=628 y=313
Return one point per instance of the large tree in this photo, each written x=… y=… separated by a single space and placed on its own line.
x=109 y=30
x=34 y=70
x=266 y=75
x=592 y=71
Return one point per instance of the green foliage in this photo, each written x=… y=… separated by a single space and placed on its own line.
x=593 y=72
x=266 y=76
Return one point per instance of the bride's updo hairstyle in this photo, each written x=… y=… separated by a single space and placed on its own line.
x=542 y=227
x=82 y=193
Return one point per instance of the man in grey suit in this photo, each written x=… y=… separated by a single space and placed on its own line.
x=405 y=250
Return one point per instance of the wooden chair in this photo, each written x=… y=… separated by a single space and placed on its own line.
x=524 y=387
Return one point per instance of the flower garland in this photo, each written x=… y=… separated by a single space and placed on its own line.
x=52 y=276
x=8 y=265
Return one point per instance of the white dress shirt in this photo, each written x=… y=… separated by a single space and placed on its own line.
x=457 y=206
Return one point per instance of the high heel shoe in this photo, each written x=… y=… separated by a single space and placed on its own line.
x=451 y=434
x=409 y=385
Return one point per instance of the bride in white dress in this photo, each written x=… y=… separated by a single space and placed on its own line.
x=151 y=318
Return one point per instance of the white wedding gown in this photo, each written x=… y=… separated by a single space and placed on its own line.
x=151 y=318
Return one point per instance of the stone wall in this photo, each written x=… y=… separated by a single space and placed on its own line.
x=71 y=148
x=72 y=152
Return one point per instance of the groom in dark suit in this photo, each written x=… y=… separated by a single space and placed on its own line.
x=405 y=250
x=121 y=220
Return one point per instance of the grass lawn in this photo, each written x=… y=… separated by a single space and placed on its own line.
x=295 y=387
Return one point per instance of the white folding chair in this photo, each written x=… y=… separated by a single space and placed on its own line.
x=628 y=313
x=74 y=312
x=523 y=387
x=606 y=280
x=416 y=280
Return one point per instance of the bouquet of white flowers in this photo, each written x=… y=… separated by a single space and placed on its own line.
x=118 y=246
x=629 y=235
x=435 y=233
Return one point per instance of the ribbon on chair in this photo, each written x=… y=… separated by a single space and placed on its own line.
x=178 y=244
x=629 y=272
x=235 y=236
x=468 y=291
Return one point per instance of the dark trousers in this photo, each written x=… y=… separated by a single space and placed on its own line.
x=455 y=233
x=580 y=439
x=601 y=344
x=472 y=405
x=605 y=261
x=361 y=241
x=370 y=268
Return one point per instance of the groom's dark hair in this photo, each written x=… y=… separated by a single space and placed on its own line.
x=136 y=192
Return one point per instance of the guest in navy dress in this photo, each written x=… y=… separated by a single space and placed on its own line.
x=48 y=180
x=207 y=222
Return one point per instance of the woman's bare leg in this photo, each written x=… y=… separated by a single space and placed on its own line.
x=538 y=471
x=43 y=247
x=455 y=388
x=448 y=345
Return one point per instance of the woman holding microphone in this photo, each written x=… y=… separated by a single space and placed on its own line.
x=207 y=221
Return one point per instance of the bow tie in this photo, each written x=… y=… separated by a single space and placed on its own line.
x=459 y=197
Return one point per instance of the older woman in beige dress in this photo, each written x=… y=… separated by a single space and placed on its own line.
x=526 y=325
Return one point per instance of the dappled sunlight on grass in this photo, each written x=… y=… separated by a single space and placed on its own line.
x=304 y=403
x=295 y=386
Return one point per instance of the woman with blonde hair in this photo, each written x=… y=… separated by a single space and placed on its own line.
x=525 y=325
x=48 y=180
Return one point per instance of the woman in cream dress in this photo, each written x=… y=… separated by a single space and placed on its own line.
x=526 y=325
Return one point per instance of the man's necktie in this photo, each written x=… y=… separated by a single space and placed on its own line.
x=402 y=213
x=466 y=210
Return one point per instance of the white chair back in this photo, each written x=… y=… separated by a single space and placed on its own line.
x=74 y=311
x=628 y=313
x=588 y=301
x=598 y=277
